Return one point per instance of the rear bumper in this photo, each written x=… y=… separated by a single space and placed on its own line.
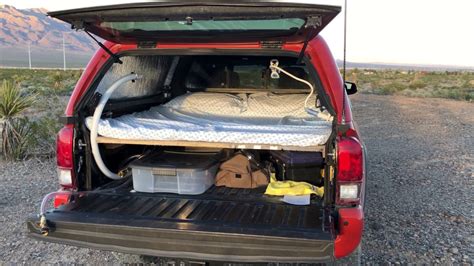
x=179 y=243
x=351 y=225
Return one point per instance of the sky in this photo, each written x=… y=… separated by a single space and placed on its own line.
x=422 y=32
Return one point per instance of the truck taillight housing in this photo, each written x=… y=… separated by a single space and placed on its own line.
x=64 y=156
x=350 y=171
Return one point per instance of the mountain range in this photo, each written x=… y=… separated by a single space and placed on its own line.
x=20 y=27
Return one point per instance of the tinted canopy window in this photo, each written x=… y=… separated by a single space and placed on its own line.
x=207 y=25
x=195 y=21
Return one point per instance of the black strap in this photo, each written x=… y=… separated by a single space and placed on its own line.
x=305 y=44
x=114 y=56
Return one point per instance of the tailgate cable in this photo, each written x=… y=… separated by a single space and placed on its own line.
x=43 y=222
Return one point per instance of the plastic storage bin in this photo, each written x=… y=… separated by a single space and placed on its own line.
x=175 y=172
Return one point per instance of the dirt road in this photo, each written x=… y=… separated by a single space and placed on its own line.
x=419 y=190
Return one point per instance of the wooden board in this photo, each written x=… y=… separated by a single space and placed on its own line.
x=204 y=144
x=251 y=90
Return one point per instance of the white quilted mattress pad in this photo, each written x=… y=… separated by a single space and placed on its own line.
x=258 y=118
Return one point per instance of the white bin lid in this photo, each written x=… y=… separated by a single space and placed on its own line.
x=178 y=160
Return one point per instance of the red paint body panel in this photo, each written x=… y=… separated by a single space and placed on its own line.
x=351 y=224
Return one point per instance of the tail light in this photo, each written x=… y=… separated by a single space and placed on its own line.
x=350 y=171
x=64 y=155
x=61 y=199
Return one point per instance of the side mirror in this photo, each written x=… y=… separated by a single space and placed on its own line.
x=351 y=87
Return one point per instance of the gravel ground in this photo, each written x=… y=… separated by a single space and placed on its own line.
x=420 y=179
x=419 y=189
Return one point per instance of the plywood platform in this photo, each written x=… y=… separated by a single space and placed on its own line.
x=204 y=144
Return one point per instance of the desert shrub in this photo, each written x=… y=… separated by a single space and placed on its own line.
x=59 y=83
x=57 y=79
x=468 y=83
x=453 y=93
x=14 y=130
x=390 y=88
x=75 y=75
x=44 y=139
x=18 y=78
x=17 y=138
x=417 y=84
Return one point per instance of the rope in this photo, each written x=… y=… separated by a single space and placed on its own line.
x=310 y=111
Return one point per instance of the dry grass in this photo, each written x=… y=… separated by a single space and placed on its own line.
x=39 y=119
x=457 y=85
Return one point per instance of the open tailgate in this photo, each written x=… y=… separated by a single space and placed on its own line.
x=223 y=224
x=209 y=21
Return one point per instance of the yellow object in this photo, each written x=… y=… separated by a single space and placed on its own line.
x=292 y=188
x=43 y=224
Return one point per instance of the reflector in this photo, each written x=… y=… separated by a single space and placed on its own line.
x=61 y=199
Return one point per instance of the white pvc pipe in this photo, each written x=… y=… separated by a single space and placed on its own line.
x=95 y=124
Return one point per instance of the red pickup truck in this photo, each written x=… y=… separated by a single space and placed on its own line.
x=175 y=80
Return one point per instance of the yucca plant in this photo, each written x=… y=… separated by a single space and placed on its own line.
x=57 y=79
x=14 y=131
x=17 y=138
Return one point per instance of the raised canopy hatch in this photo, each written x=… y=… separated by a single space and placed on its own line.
x=209 y=21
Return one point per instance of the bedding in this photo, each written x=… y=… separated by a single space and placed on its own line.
x=258 y=118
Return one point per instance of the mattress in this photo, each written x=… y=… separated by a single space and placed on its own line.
x=258 y=118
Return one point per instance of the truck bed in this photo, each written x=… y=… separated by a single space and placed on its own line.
x=242 y=223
